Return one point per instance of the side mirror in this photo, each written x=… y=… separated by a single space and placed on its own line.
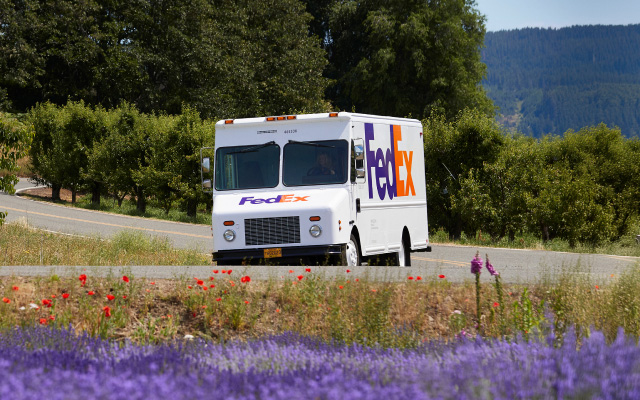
x=205 y=170
x=358 y=153
x=206 y=165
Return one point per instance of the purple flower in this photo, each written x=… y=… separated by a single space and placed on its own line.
x=476 y=264
x=490 y=268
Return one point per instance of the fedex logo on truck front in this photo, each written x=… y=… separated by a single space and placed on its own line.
x=387 y=165
x=284 y=198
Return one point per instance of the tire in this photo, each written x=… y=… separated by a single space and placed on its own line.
x=404 y=254
x=351 y=253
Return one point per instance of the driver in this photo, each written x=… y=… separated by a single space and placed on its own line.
x=323 y=166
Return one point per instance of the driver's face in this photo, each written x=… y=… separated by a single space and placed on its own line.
x=323 y=160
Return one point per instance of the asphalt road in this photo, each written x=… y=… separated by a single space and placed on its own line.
x=515 y=266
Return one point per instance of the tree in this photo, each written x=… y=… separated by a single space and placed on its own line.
x=15 y=138
x=172 y=173
x=404 y=58
x=455 y=152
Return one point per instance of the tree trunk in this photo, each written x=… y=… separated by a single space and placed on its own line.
x=192 y=208
x=55 y=191
x=95 y=193
x=141 y=200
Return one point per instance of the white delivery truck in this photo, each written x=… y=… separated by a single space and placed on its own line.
x=342 y=187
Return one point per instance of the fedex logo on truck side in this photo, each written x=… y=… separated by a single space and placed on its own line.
x=284 y=198
x=387 y=179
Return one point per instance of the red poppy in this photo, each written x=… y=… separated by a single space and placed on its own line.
x=124 y=297
x=110 y=297
x=152 y=283
x=211 y=278
x=348 y=271
x=91 y=292
x=215 y=271
x=204 y=288
x=229 y=271
x=308 y=269
x=47 y=302
x=43 y=321
x=83 y=279
x=291 y=271
x=441 y=276
x=15 y=288
x=125 y=278
x=418 y=278
x=496 y=304
x=6 y=300
x=224 y=271
x=190 y=287
x=200 y=282
x=218 y=299
x=245 y=279
x=300 y=277
x=65 y=295
x=410 y=278
x=246 y=302
x=212 y=286
x=340 y=287
x=52 y=317
x=597 y=287
x=107 y=311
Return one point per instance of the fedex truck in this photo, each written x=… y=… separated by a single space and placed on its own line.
x=339 y=187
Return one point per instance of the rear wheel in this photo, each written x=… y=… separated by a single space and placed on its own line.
x=404 y=254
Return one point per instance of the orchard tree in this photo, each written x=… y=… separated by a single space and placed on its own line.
x=15 y=139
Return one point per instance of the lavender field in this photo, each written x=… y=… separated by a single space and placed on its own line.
x=43 y=362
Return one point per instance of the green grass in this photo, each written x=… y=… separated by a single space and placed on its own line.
x=129 y=208
x=626 y=246
x=23 y=245
x=225 y=305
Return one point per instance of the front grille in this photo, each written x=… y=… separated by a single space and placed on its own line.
x=276 y=230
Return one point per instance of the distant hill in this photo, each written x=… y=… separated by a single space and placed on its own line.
x=553 y=80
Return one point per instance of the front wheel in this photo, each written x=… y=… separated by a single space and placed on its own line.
x=351 y=253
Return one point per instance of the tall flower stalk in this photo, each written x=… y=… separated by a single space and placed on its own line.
x=498 y=286
x=476 y=268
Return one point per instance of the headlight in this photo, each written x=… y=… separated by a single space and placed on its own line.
x=229 y=235
x=315 y=230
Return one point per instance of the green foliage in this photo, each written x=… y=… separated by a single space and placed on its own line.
x=224 y=58
x=552 y=80
x=15 y=139
x=403 y=57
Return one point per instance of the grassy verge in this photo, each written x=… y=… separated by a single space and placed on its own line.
x=626 y=246
x=22 y=245
x=227 y=304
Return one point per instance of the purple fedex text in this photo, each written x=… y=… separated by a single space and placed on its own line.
x=285 y=198
x=386 y=164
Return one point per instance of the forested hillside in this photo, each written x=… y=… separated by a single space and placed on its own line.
x=552 y=80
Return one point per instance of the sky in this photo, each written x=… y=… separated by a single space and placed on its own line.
x=513 y=14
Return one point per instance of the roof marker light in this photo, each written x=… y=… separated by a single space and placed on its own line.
x=271 y=119
x=228 y=121
x=333 y=114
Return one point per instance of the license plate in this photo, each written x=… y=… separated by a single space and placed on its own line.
x=271 y=253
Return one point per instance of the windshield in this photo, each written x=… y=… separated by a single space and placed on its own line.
x=315 y=163
x=248 y=167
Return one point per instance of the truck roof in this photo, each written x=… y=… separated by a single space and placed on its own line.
x=308 y=117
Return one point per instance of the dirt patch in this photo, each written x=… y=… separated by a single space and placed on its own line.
x=45 y=194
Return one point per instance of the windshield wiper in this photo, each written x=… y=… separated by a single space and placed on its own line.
x=312 y=144
x=253 y=148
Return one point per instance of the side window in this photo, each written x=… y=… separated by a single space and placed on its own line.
x=357 y=161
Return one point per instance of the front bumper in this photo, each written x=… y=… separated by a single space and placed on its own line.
x=288 y=253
